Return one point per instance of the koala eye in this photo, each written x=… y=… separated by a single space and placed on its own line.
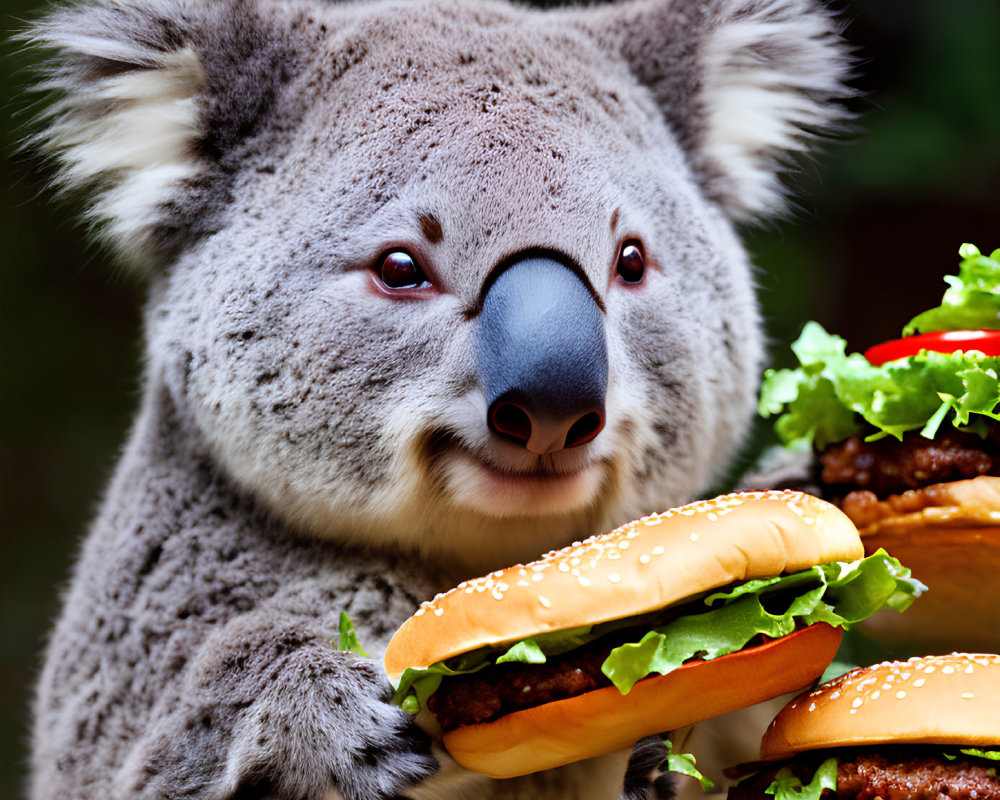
x=400 y=270
x=631 y=262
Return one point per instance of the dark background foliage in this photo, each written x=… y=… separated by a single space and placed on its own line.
x=878 y=221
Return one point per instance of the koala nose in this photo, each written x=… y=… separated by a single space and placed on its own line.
x=543 y=359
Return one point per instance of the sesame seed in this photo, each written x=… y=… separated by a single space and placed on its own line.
x=876 y=694
x=969 y=669
x=858 y=702
x=614 y=555
x=900 y=694
x=537 y=576
x=563 y=566
x=438 y=612
x=614 y=577
x=545 y=601
x=967 y=695
x=919 y=682
x=523 y=583
x=658 y=550
x=835 y=695
x=583 y=581
x=644 y=558
x=694 y=536
x=929 y=669
x=623 y=545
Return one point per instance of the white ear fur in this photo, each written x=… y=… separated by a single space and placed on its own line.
x=768 y=80
x=129 y=134
x=746 y=86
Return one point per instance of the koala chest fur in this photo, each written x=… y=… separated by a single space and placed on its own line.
x=434 y=287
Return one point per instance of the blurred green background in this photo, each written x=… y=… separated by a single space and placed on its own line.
x=879 y=219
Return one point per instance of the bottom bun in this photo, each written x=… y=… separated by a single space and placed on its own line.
x=960 y=567
x=604 y=721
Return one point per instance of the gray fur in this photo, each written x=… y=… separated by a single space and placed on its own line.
x=309 y=443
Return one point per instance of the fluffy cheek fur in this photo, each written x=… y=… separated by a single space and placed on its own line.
x=686 y=356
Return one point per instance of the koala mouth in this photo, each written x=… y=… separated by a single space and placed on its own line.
x=550 y=486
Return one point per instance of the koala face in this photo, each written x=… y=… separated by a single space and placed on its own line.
x=459 y=277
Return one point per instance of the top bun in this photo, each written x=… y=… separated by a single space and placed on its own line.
x=640 y=567
x=930 y=700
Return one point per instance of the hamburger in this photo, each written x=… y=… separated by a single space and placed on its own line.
x=671 y=619
x=906 y=438
x=921 y=729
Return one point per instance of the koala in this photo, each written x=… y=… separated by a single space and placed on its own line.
x=432 y=287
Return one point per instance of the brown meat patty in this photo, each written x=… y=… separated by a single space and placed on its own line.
x=890 y=773
x=495 y=691
x=889 y=466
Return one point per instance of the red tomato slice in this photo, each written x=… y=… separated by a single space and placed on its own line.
x=987 y=342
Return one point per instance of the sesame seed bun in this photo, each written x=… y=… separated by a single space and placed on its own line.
x=646 y=565
x=952 y=699
x=952 y=544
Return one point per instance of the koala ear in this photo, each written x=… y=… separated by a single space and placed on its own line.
x=151 y=98
x=746 y=85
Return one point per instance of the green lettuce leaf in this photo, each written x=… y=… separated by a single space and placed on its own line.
x=972 y=300
x=832 y=395
x=417 y=684
x=526 y=652
x=686 y=764
x=840 y=594
x=787 y=787
x=975 y=752
x=348 y=638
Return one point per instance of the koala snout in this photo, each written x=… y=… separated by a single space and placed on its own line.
x=543 y=360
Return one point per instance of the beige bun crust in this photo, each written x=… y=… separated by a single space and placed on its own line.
x=952 y=699
x=604 y=721
x=952 y=546
x=643 y=566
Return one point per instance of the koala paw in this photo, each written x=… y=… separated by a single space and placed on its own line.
x=285 y=716
x=329 y=725
x=646 y=777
